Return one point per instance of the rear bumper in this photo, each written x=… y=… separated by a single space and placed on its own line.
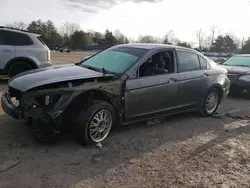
x=226 y=90
x=44 y=65
x=8 y=107
x=239 y=84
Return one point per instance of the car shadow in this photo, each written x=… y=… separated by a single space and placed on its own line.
x=242 y=95
x=124 y=144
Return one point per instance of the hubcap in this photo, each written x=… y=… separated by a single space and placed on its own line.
x=211 y=102
x=100 y=125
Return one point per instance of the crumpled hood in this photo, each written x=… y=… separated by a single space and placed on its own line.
x=38 y=77
x=236 y=69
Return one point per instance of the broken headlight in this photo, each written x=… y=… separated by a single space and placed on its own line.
x=14 y=101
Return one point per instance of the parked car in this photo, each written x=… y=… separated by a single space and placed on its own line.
x=21 y=51
x=121 y=85
x=238 y=68
x=68 y=50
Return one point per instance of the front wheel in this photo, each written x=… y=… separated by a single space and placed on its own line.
x=210 y=103
x=94 y=123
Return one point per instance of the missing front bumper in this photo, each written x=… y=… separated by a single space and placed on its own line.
x=8 y=107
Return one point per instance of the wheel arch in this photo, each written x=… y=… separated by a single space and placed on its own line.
x=24 y=59
x=82 y=100
x=218 y=87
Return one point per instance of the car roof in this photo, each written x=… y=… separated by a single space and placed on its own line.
x=17 y=30
x=150 y=46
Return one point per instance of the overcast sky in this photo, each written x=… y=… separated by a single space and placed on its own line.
x=135 y=17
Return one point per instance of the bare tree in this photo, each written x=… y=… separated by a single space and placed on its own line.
x=117 y=33
x=147 y=39
x=131 y=40
x=236 y=40
x=200 y=38
x=212 y=34
x=168 y=37
x=17 y=25
x=69 y=28
x=242 y=42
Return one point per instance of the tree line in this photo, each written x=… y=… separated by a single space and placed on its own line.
x=72 y=36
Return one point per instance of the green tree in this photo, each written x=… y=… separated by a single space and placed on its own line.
x=98 y=38
x=78 y=39
x=47 y=30
x=224 y=44
x=110 y=39
x=246 y=47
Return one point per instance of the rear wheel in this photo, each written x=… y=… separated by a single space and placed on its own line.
x=211 y=102
x=18 y=67
x=94 y=123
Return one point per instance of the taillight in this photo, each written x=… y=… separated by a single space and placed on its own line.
x=48 y=55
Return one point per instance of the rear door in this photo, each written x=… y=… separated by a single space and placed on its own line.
x=193 y=79
x=7 y=51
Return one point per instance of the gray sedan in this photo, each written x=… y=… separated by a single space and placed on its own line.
x=121 y=85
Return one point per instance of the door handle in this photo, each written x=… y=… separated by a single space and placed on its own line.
x=8 y=50
x=205 y=74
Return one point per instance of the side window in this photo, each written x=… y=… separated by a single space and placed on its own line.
x=2 y=38
x=203 y=63
x=159 y=63
x=188 y=61
x=18 y=39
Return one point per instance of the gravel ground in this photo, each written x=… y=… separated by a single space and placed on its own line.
x=181 y=151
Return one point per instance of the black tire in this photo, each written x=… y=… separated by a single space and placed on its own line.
x=18 y=67
x=86 y=116
x=203 y=110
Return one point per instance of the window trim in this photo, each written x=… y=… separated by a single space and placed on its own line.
x=207 y=67
x=136 y=70
x=178 y=60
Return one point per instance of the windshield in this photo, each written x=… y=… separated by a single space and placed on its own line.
x=116 y=60
x=238 y=61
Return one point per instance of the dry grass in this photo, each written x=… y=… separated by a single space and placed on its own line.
x=73 y=57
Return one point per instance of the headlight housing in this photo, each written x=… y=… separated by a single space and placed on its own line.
x=245 y=78
x=14 y=101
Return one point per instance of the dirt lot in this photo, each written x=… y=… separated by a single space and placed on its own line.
x=182 y=151
x=64 y=58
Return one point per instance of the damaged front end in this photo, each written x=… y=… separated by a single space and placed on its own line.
x=45 y=106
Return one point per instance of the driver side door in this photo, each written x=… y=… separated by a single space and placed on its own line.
x=148 y=96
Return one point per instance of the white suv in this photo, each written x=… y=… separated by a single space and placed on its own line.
x=21 y=51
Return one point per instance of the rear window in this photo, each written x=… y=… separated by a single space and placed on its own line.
x=17 y=39
x=2 y=38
